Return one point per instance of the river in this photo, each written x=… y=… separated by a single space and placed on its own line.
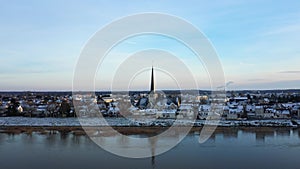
x=229 y=148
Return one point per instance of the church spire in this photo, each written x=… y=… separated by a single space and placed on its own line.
x=152 y=81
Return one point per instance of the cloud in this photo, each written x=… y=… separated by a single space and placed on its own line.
x=290 y=71
x=284 y=29
x=229 y=83
x=280 y=84
x=256 y=79
x=226 y=85
x=23 y=71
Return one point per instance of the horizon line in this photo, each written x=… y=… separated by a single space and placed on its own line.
x=145 y=90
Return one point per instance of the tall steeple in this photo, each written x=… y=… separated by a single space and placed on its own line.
x=152 y=81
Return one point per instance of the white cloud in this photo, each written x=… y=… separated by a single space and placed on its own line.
x=291 y=71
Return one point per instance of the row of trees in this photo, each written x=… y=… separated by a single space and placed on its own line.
x=51 y=110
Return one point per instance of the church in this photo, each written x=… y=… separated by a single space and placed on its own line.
x=154 y=99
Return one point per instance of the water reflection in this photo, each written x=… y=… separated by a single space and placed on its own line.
x=66 y=138
x=227 y=148
x=153 y=141
x=283 y=132
x=232 y=133
x=261 y=135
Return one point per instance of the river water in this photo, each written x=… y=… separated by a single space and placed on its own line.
x=230 y=148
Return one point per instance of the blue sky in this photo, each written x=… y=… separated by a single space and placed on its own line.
x=257 y=41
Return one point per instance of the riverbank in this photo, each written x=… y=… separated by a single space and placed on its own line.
x=103 y=131
x=16 y=125
x=123 y=122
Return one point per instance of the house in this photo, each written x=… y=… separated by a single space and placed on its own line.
x=294 y=111
x=240 y=99
x=166 y=114
x=185 y=110
x=232 y=116
x=250 y=108
x=113 y=111
x=269 y=113
x=203 y=111
x=283 y=113
x=259 y=111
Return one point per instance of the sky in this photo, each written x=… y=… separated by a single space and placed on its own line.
x=257 y=41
